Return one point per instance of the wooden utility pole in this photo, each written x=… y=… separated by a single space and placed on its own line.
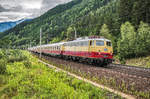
x=40 y=41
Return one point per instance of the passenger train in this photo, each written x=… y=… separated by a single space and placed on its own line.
x=89 y=49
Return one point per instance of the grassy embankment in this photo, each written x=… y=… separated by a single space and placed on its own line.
x=22 y=76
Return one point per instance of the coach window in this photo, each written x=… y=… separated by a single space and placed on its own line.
x=75 y=43
x=80 y=43
x=83 y=43
x=99 y=43
x=86 y=43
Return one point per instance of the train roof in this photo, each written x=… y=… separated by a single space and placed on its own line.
x=49 y=45
x=88 y=39
x=54 y=44
x=77 y=40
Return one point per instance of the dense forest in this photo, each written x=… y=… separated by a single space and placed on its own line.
x=125 y=22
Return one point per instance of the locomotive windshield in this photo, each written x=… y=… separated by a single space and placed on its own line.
x=108 y=43
x=99 y=43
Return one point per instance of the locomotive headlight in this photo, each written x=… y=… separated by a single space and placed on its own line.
x=111 y=53
x=105 y=49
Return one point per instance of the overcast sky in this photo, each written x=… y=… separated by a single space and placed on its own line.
x=12 y=10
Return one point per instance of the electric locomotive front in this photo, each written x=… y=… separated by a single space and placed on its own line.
x=101 y=50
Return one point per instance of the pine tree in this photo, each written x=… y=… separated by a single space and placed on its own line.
x=143 y=46
x=105 y=31
x=125 y=8
x=127 y=44
x=141 y=10
x=70 y=33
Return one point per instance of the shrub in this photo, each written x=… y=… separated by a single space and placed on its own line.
x=1 y=54
x=27 y=64
x=3 y=64
x=148 y=63
x=16 y=56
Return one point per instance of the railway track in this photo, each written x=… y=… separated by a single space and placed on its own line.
x=131 y=67
x=139 y=72
x=132 y=71
x=122 y=74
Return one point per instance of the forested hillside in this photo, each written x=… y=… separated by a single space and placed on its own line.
x=125 y=22
x=54 y=22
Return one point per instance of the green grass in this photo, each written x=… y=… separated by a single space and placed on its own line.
x=28 y=78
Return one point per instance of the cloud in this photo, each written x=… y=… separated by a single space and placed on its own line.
x=11 y=10
x=53 y=3
x=13 y=16
x=32 y=4
x=2 y=9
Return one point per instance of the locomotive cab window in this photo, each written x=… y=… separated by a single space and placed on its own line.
x=99 y=43
x=108 y=43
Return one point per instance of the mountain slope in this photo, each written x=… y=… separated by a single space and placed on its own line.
x=53 y=23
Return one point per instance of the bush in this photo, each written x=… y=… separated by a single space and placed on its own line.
x=16 y=56
x=1 y=54
x=3 y=64
x=148 y=62
x=27 y=64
